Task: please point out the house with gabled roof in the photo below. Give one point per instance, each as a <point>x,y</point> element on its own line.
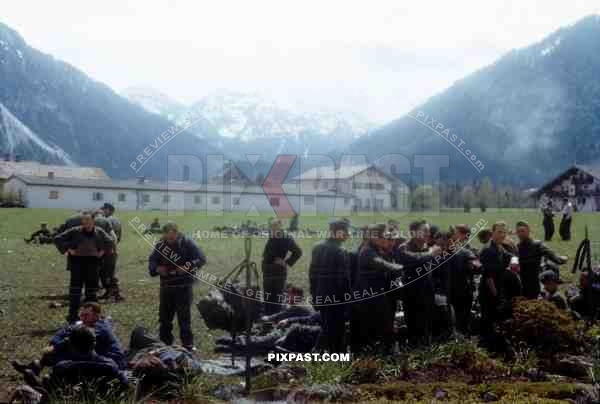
<point>579,183</point>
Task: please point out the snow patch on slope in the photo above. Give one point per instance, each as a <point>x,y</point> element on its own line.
<point>17,134</point>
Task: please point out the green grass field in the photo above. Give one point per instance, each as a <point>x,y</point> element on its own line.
<point>32,276</point>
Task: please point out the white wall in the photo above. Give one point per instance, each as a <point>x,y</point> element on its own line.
<point>37,196</point>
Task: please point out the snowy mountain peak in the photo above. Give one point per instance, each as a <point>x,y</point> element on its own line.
<point>248,116</point>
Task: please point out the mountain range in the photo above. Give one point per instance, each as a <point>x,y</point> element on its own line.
<point>52,112</point>
<point>527,116</point>
<point>246,123</point>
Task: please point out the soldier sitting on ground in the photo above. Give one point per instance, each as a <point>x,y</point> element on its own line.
<point>155,227</point>
<point>106,344</point>
<point>41,236</point>
<point>581,301</point>
<point>84,369</point>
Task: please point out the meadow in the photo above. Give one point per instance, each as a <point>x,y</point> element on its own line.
<point>32,277</point>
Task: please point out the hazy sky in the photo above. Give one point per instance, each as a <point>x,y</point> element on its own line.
<point>372,57</point>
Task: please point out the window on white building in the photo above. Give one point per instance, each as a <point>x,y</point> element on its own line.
<point>367,203</point>
<point>236,201</point>
<point>197,199</point>
<point>274,201</point>
<point>215,200</point>
<point>146,198</point>
<point>379,203</point>
<point>346,201</point>
<point>53,195</point>
<point>97,196</point>
<point>166,198</point>
<point>309,200</point>
<point>122,197</point>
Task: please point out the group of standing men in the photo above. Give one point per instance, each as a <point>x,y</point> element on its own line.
<point>432,273</point>
<point>564,228</point>
<point>89,241</point>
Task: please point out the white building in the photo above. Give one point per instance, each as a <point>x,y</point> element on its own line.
<point>33,168</point>
<point>367,187</point>
<point>580,184</point>
<point>74,193</point>
<point>316,192</point>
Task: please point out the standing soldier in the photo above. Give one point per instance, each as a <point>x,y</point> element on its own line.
<point>275,266</point>
<point>373,314</point>
<point>418,294</point>
<point>548,222</point>
<point>329,281</point>
<point>495,260</point>
<point>565,223</point>
<point>531,253</point>
<point>462,284</point>
<point>175,259</point>
<point>84,245</point>
<point>108,268</point>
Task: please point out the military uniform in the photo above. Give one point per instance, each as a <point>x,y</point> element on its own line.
<point>462,287</point>
<point>108,267</point>
<point>176,289</point>
<point>275,275</point>
<point>85,264</point>
<point>531,253</point>
<point>418,291</point>
<point>494,260</point>
<point>373,315</point>
<point>548,223</point>
<point>329,281</point>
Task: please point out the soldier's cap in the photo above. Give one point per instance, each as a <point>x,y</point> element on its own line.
<point>44,223</point>
<point>549,276</point>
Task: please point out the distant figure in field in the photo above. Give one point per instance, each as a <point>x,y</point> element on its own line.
<point>155,227</point>
<point>548,222</point>
<point>565,223</point>
<point>41,236</point>
<point>294,223</point>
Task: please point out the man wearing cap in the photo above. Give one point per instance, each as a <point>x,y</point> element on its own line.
<point>531,253</point>
<point>373,312</point>
<point>329,282</point>
<point>108,267</point>
<point>551,281</point>
<point>281,253</point>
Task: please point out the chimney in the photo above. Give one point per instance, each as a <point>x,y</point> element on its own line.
<point>51,175</point>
